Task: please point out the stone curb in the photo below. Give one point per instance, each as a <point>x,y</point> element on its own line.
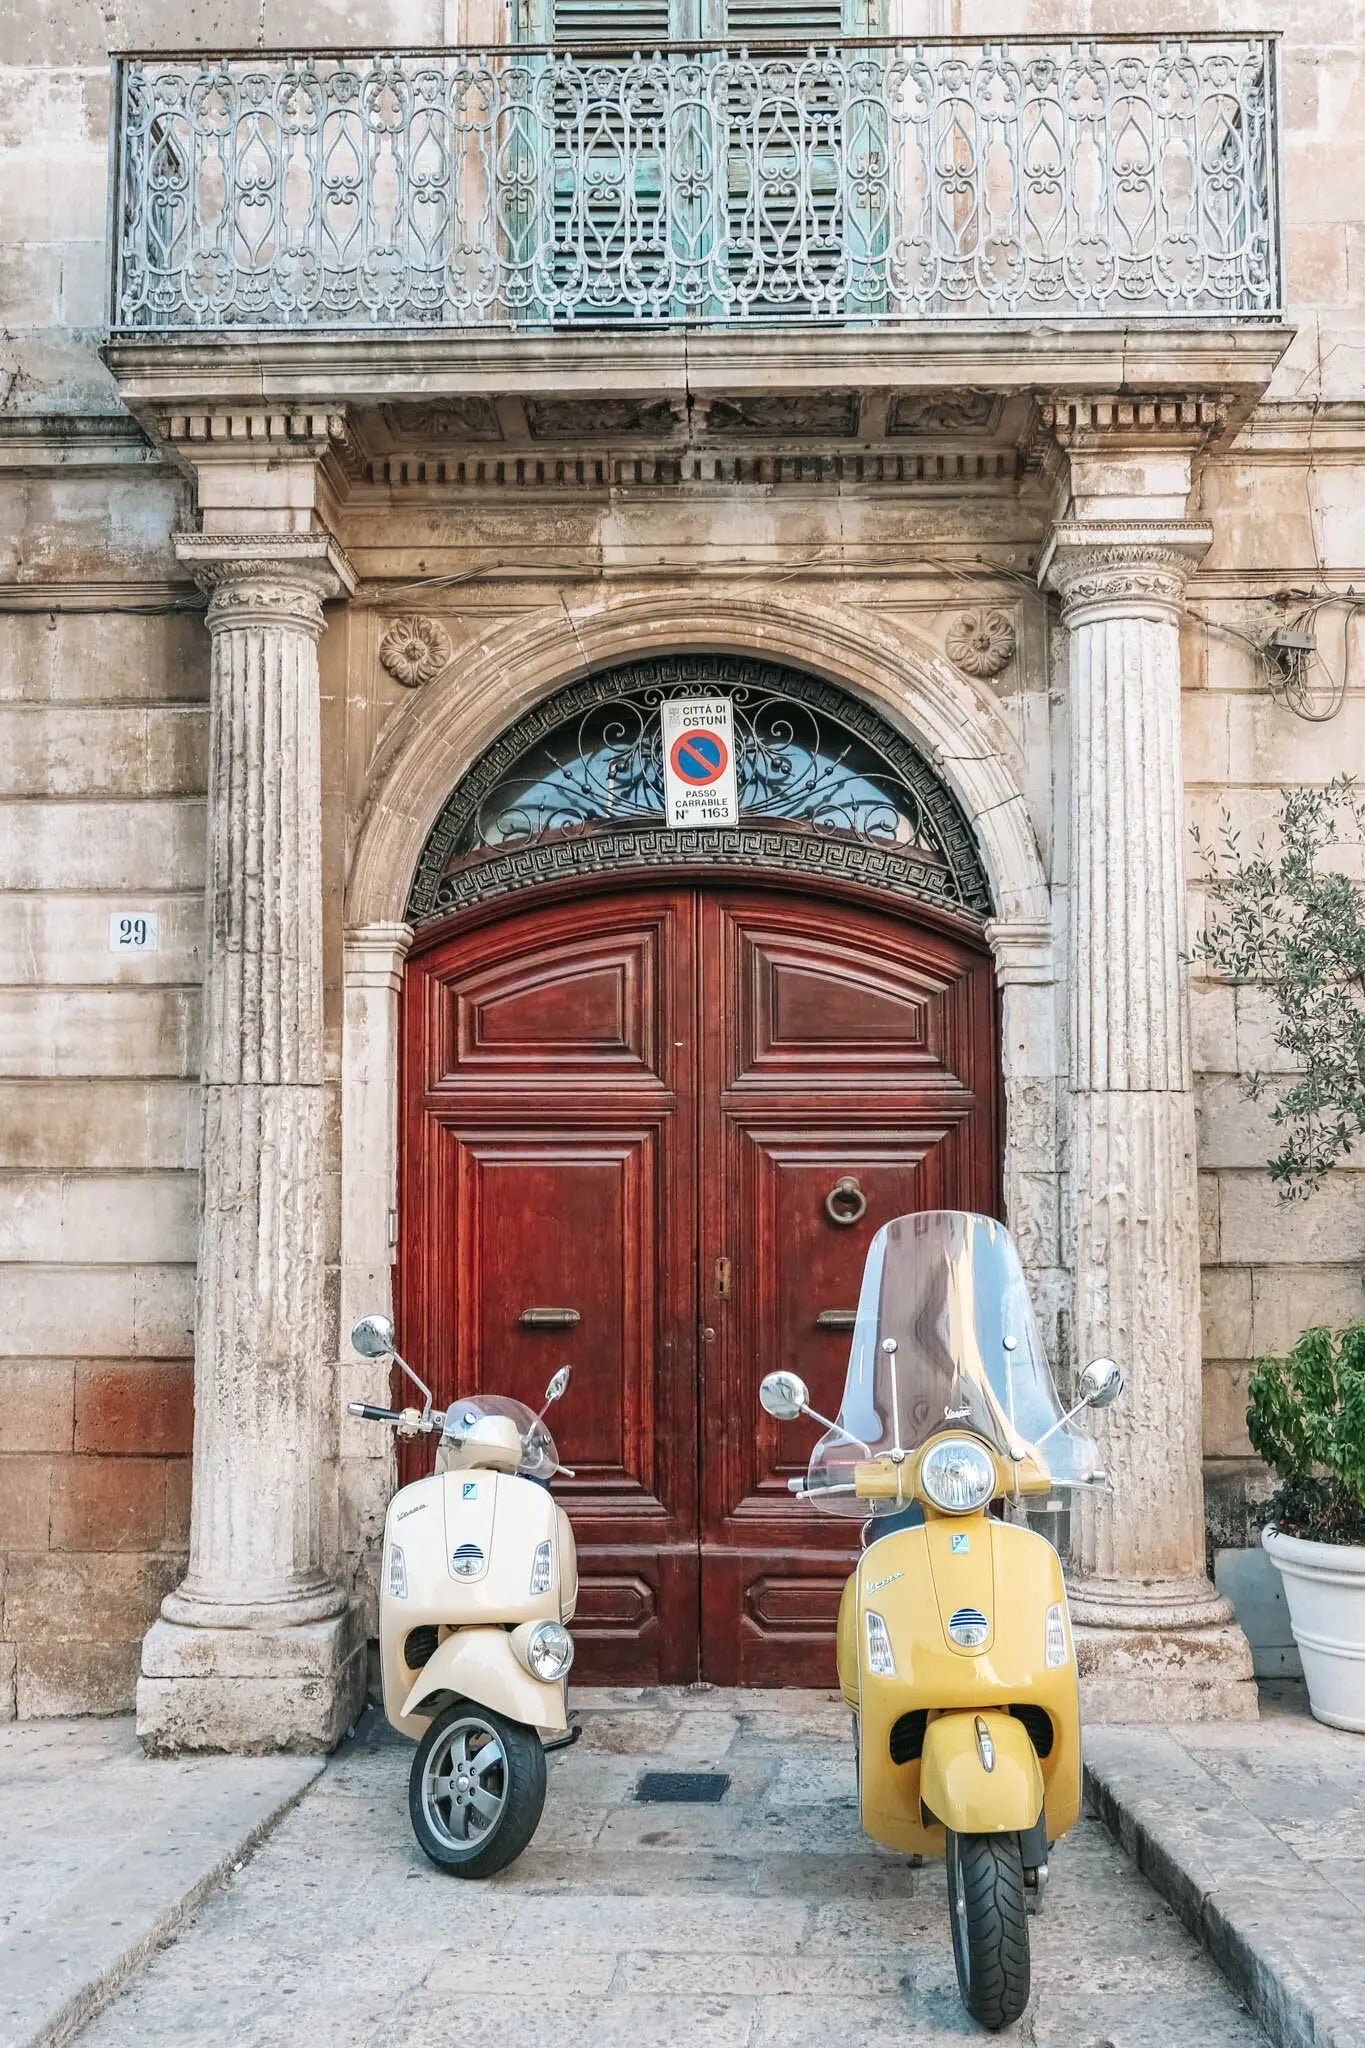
<point>81,2005</point>
<point>1268,1921</point>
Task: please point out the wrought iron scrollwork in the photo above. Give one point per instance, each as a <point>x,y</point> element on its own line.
<point>577,786</point>
<point>1104,178</point>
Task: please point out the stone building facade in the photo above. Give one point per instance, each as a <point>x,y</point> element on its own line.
<point>272,584</point>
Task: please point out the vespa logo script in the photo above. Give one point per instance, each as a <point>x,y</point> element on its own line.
<point>415,1509</point>
<point>890,1580</point>
<point>956,1414</point>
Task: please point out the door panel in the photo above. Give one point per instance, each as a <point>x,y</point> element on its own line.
<point>637,1107</point>
<point>845,1046</point>
<point>549,1141</point>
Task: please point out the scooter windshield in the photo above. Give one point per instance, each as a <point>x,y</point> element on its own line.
<point>944,1340</point>
<point>539,1458</point>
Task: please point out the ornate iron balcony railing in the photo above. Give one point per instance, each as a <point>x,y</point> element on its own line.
<point>1097,179</point>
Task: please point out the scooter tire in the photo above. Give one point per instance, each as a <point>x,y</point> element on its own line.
<point>986,1907</point>
<point>522,1794</point>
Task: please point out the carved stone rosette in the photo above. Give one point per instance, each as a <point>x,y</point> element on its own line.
<point>1132,1126</point>
<point>257,1585</point>
<point>981,643</point>
<point>415,650</point>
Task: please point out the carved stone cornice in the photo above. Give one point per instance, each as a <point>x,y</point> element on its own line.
<point>234,433</point>
<point>266,579</point>
<point>1069,425</point>
<point>1084,419</point>
<point>1121,567</point>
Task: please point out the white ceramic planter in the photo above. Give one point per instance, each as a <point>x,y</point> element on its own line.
<point>1324,1584</point>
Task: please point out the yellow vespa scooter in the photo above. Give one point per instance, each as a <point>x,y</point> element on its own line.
<point>954,1643</point>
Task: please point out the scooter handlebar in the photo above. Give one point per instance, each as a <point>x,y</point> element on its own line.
<point>368,1413</point>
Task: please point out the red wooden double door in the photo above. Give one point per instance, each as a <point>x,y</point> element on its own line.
<point>649,1132</point>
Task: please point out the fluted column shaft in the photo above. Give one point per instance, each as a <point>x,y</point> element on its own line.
<point>1132,1129</point>
<point>256,1549</point>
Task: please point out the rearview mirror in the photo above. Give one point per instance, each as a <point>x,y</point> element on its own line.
<point>783,1396</point>
<point>1100,1383</point>
<point>373,1337</point>
<point>559,1385</point>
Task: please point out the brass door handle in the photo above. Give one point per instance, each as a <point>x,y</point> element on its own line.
<point>836,1319</point>
<point>549,1318</point>
<point>846,1203</point>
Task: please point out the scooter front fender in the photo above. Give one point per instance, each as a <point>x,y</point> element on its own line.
<point>958,1789</point>
<point>478,1665</point>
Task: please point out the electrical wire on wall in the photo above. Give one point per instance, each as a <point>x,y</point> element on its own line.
<point>1293,662</point>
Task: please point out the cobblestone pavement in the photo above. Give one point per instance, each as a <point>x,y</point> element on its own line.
<point>765,1920</point>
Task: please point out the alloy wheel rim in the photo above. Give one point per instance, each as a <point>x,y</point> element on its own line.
<point>464,1784</point>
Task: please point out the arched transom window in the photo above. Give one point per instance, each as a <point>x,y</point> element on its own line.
<point>578,785</point>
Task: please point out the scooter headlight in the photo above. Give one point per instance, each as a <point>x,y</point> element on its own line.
<point>548,1651</point>
<point>958,1475</point>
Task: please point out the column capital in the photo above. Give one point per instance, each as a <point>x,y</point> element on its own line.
<point>373,954</point>
<point>281,579</point>
<point>1122,568</point>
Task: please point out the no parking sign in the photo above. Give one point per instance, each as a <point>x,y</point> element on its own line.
<point>699,761</point>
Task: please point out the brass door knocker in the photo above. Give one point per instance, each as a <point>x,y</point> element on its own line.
<point>846,1203</point>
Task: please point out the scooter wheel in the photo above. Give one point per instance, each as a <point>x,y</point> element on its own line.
<point>477,1789</point>
<point>990,1926</point>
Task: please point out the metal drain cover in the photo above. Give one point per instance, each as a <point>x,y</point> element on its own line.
<point>681,1788</point>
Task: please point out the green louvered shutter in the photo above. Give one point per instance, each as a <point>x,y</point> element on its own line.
<point>791,232</point>
<point>800,232</point>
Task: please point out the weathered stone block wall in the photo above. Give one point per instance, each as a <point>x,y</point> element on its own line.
<point>102,731</point>
<point>1282,516</point>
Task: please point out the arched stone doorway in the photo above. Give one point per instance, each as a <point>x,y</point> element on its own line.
<point>658,1091</point>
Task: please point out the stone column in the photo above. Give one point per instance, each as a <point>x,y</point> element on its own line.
<point>1154,1640</point>
<point>372,971</point>
<point>259,1649</point>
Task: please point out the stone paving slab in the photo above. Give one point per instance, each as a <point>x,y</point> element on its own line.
<point>103,1854</point>
<point>622,1928</point>
<point>1255,1834</point>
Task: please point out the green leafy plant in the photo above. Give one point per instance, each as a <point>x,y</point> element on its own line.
<point>1307,1419</point>
<point>1295,923</point>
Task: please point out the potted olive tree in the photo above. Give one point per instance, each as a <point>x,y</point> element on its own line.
<point>1292,920</point>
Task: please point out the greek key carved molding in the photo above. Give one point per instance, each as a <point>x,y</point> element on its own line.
<point>981,643</point>
<point>415,650</point>
<point>645,848</point>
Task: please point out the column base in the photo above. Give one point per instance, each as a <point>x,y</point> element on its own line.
<point>1160,1653</point>
<point>251,1691</point>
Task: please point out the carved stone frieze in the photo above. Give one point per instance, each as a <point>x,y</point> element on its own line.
<point>561,419</point>
<point>454,419</point>
<point>415,650</point>
<point>794,414</point>
<point>981,643</point>
<point>964,412</point>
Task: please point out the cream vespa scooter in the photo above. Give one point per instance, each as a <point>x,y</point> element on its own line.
<point>478,1577</point>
